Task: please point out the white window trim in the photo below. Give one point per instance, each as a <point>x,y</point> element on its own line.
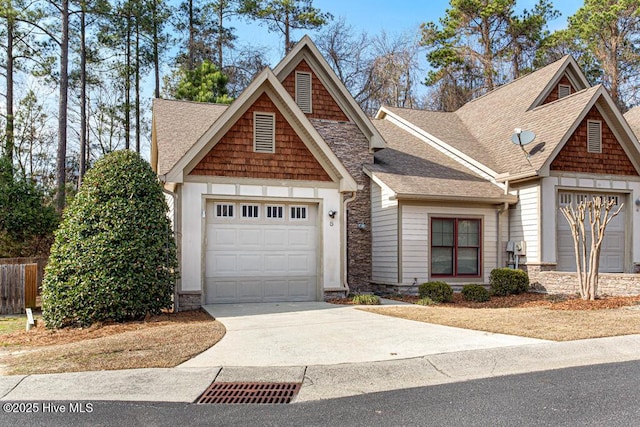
<point>273,133</point>
<point>215,210</point>
<point>274,218</point>
<point>566,87</point>
<point>243,205</point>
<point>310,110</point>
<point>591,144</point>
<point>306,213</point>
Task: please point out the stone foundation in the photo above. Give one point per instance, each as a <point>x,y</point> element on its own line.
<point>189,300</point>
<point>330,294</point>
<point>543,278</point>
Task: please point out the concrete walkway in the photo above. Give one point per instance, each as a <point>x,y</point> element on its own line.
<point>318,333</point>
<point>334,351</point>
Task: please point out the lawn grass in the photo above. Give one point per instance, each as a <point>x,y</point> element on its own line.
<point>9,324</point>
<point>159,342</point>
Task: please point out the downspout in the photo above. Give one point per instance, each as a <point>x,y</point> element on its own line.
<point>345,281</point>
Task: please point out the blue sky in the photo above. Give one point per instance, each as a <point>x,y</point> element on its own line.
<point>374,16</point>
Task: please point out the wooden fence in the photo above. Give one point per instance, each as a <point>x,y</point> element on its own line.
<point>18,287</point>
<point>20,282</point>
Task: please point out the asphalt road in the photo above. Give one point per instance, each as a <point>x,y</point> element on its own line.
<point>600,395</point>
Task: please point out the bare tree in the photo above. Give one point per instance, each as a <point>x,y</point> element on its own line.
<point>598,213</point>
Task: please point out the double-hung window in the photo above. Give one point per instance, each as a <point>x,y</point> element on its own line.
<point>455,247</point>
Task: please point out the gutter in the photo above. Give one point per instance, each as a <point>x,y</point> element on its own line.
<point>506,198</point>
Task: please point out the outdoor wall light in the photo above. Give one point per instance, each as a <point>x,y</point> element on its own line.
<point>332,214</point>
<point>638,203</point>
<point>362,226</point>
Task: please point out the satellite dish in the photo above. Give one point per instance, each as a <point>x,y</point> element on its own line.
<point>522,137</point>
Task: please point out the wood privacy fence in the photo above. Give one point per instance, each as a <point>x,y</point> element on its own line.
<point>20,279</point>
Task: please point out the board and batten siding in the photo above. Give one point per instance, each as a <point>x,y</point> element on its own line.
<point>415,240</point>
<point>384,245</point>
<point>524,221</point>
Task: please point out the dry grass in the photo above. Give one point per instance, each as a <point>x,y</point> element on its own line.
<point>537,321</point>
<point>159,342</point>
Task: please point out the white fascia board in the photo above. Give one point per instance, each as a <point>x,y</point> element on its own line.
<point>441,146</point>
<point>376,179</point>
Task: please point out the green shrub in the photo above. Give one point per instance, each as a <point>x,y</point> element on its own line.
<point>507,281</point>
<point>366,299</point>
<point>114,255</point>
<point>475,293</point>
<point>426,301</point>
<point>437,291</point>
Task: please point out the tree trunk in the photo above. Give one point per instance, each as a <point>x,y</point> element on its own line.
<point>192,30</point>
<point>220,33</point>
<point>156,53</point>
<point>83,94</point>
<point>62,107</point>
<point>9,145</point>
<point>127,82</point>
<point>137,82</point>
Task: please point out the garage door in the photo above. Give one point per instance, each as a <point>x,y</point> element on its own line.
<point>613,250</point>
<point>260,252</point>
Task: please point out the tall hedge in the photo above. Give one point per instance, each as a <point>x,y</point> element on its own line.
<point>114,255</point>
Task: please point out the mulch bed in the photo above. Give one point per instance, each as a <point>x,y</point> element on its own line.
<point>529,299</point>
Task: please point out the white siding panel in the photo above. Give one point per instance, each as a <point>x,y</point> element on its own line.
<point>191,262</point>
<point>525,218</point>
<point>384,219</point>
<point>415,235</point>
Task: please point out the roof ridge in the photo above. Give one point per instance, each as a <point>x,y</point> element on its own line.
<point>504,85</point>
<point>187,101</point>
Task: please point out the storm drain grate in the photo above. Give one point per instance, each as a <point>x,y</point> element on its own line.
<point>260,393</point>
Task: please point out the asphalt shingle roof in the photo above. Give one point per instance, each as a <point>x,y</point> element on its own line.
<point>178,125</point>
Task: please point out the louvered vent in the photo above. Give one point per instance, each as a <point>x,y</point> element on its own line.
<point>264,133</point>
<point>594,136</point>
<point>564,90</point>
<point>303,91</point>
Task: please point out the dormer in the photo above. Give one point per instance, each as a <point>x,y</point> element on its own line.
<point>568,79</point>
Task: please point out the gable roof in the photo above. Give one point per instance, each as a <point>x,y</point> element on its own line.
<point>306,50</point>
<point>176,125</point>
<point>267,82</point>
<point>413,169</point>
<point>633,119</point>
<point>479,133</point>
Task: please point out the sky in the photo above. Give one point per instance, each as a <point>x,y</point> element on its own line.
<point>374,16</point>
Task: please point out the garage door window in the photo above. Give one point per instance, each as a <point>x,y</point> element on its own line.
<point>455,247</point>
<point>250,211</point>
<point>298,213</point>
<point>275,212</point>
<point>224,210</point>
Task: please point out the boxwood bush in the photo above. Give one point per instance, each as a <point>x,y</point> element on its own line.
<point>475,293</point>
<point>437,291</point>
<point>114,255</point>
<point>507,281</point>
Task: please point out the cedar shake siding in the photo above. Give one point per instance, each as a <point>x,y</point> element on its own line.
<point>323,106</point>
<point>574,156</point>
<point>553,96</point>
<point>352,148</point>
<point>233,155</point>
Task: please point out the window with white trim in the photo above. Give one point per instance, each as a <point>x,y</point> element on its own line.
<point>250,211</point>
<point>594,136</point>
<point>303,91</point>
<point>224,210</point>
<point>264,132</point>
<point>275,211</point>
<point>564,90</point>
<point>298,213</point>
<point>456,245</point>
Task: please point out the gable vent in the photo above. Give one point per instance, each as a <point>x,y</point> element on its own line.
<point>264,132</point>
<point>303,91</point>
<point>594,136</point>
<point>564,90</point>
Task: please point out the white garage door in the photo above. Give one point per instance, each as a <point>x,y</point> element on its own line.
<point>260,252</point>
<point>613,245</point>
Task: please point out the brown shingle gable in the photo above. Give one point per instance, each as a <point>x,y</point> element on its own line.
<point>323,104</point>
<point>233,155</point>
<point>574,156</point>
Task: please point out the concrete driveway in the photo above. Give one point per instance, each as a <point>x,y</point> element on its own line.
<point>318,333</point>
